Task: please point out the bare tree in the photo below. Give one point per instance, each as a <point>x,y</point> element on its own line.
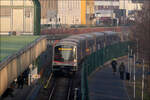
<point>141,32</point>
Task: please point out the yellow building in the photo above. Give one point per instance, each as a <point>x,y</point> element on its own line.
<point>75,12</point>
<point>87,12</point>
<point>83,11</point>
<point>19,16</point>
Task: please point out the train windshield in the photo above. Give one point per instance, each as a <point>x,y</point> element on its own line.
<point>64,53</point>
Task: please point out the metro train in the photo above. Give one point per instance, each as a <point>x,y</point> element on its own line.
<point>69,52</point>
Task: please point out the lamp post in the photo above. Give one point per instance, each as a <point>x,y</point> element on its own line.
<point>143,80</point>
<point>11,19</point>
<point>134,75</point>
<point>124,13</point>
<point>137,41</point>
<point>112,12</point>
<point>128,58</point>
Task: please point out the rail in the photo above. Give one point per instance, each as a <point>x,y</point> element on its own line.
<point>61,89</point>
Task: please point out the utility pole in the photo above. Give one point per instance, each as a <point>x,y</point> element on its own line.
<point>112,12</point>
<point>143,81</point>
<point>137,48</point>
<point>128,58</point>
<point>11,19</point>
<point>56,20</point>
<point>24,16</point>
<point>124,13</point>
<point>130,64</point>
<point>134,75</point>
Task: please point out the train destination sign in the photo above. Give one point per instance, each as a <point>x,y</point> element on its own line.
<point>64,48</point>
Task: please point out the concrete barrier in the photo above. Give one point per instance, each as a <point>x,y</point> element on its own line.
<point>14,65</point>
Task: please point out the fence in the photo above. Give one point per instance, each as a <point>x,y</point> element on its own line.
<point>97,59</point>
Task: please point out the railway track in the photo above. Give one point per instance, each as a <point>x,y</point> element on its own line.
<point>62,89</point>
<point>57,88</point>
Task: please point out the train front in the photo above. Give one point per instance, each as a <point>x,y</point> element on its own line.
<point>64,58</point>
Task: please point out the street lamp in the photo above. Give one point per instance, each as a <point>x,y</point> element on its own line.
<point>137,45</point>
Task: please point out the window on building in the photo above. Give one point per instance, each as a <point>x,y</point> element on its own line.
<point>5,12</point>
<point>27,12</point>
<point>50,19</point>
<point>59,19</point>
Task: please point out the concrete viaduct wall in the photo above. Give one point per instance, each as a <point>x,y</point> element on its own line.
<point>12,67</point>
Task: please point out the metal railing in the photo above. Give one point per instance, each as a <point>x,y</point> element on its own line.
<point>97,59</point>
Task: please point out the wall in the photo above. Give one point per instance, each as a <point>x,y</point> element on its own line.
<point>69,12</point>
<point>129,5</point>
<point>90,12</point>
<point>83,12</point>
<point>16,64</point>
<point>48,11</point>
<point>16,16</point>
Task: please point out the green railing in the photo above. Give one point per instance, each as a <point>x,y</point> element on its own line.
<point>97,59</point>
<point>37,17</point>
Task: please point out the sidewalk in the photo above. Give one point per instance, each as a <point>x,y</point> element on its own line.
<point>103,85</point>
<point>19,94</point>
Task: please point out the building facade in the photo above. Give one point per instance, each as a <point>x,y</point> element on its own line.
<point>83,12</point>
<point>64,12</point>
<point>130,5</point>
<point>104,9</point>
<point>115,9</point>
<point>69,12</point>
<point>90,12</point>
<point>48,11</point>
<point>75,12</point>
<point>16,15</point>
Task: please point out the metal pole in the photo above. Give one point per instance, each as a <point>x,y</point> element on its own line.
<point>137,50</point>
<point>130,66</point>
<point>56,20</point>
<point>23,16</point>
<point>11,25</point>
<point>143,82</point>
<point>124,14</point>
<point>128,58</point>
<point>134,76</point>
<point>112,13</point>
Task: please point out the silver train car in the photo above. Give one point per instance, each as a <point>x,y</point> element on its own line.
<point>69,52</point>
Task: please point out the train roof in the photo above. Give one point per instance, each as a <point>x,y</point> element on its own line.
<point>98,33</point>
<point>66,42</point>
<point>71,40</point>
<point>87,36</point>
<point>110,32</point>
<point>78,37</point>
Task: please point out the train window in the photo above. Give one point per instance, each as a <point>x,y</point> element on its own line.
<point>64,53</point>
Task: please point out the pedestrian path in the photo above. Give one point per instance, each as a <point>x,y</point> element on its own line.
<point>103,85</point>
<point>19,94</point>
